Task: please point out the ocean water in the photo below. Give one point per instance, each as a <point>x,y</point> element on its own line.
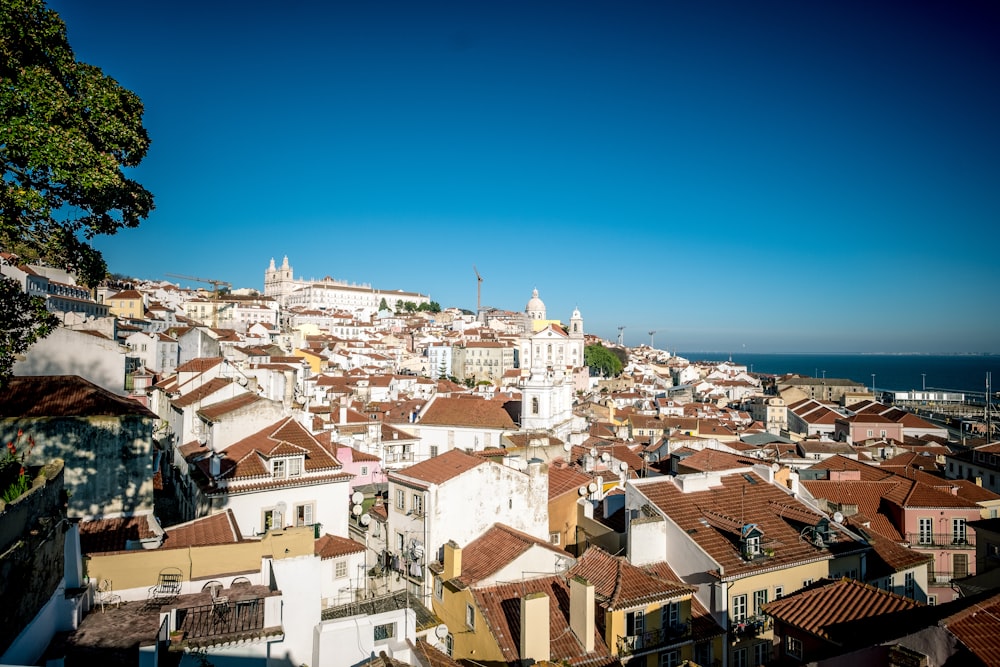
<point>897,372</point>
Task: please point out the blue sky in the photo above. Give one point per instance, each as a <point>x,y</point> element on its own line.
<point>766,176</point>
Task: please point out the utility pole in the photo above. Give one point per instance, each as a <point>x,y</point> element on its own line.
<point>215,292</point>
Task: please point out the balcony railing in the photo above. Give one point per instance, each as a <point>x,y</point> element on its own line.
<point>647,642</point>
<point>942,540</point>
<point>944,576</point>
<point>750,626</point>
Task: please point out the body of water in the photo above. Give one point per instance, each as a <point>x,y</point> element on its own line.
<point>899,372</point>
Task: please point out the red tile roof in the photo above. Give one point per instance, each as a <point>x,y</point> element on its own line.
<point>618,584</point>
<point>204,391</point>
<point>218,528</point>
<point>64,396</point>
<point>978,627</point>
<point>334,546</point>
<point>500,606</point>
<point>108,535</point>
<point>439,469</point>
<point>247,458</point>
<point>831,603</point>
<point>494,550</point>
<point>218,410</point>
<point>465,411</point>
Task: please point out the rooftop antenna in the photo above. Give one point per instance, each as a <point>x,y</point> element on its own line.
<point>621,336</point>
<point>651,334</point>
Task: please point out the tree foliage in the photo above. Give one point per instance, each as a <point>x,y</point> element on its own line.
<point>67,131</point>
<point>602,361</point>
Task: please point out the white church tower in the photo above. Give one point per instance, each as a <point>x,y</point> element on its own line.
<point>548,358</point>
<point>279,283</point>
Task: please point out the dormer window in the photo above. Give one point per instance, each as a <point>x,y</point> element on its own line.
<point>750,535</point>
<point>286,467</point>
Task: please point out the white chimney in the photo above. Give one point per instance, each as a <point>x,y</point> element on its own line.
<point>581,611</point>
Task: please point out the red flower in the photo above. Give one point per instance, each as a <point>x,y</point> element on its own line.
<point>20,433</point>
<point>22,471</point>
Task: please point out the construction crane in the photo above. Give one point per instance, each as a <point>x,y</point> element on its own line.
<point>479,291</point>
<point>216,284</point>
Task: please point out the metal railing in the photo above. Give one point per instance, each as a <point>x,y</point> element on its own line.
<point>652,640</point>
<point>942,540</point>
<point>221,619</point>
<point>750,626</point>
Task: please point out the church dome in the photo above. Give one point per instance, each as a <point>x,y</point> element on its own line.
<point>535,307</point>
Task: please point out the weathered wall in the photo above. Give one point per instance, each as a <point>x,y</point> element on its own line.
<point>108,460</point>
<point>32,537</point>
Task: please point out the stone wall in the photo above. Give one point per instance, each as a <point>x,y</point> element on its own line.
<point>32,538</point>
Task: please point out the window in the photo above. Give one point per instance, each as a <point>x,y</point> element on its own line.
<point>449,645</point>
<point>753,545</point>
<point>958,531</point>
<point>434,451</point>
<point>385,631</point>
<point>438,588</point>
<point>278,467</point>
<point>759,600</point>
<point>304,514</point>
<point>470,616</point>
<point>882,433</point>
<point>364,471</point>
<point>739,607</point>
<point>931,600</point>
<point>703,653</point>
<point>806,582</point>
<point>534,405</point>
<point>670,615</point>
<point>272,519</point>
<point>340,569</point>
<point>779,592</point>
<point>960,565</point>
<point>634,623</point>
<point>418,504</point>
<point>793,647</point>
<point>761,653</point>
<point>670,659</point>
<point>909,585</point>
<point>400,499</point>
<point>741,657</point>
<point>555,538</point>
<point>925,534</point>
<point>871,432</point>
<point>295,467</point>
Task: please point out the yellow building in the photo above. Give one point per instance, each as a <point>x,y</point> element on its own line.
<point>127,304</point>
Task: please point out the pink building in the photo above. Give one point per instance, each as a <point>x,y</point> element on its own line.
<point>860,428</point>
<point>366,468</point>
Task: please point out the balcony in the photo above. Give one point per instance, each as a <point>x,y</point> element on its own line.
<point>653,640</point>
<point>750,626</point>
<point>941,540</point>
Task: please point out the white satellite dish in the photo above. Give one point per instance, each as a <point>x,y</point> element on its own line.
<point>356,510</point>
<point>838,517</point>
<point>593,451</point>
<point>583,490</point>
<point>592,487</point>
<point>623,466</point>
<point>605,457</point>
<point>441,631</point>
<point>567,446</point>
<point>357,497</point>
<point>281,506</point>
<point>440,647</point>
<point>365,519</point>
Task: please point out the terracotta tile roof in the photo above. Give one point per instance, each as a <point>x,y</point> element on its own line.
<point>494,550</point>
<point>713,459</point>
<point>246,458</point>
<point>978,627</point>
<point>334,546</point>
<point>428,656</point>
<point>713,518</point>
<point>831,603</point>
<point>868,472</point>
<point>218,528</point>
<point>202,392</point>
<point>199,365</point>
<point>866,495</point>
<point>500,606</point>
<point>64,396</point>
<point>618,584</point>
<point>439,469</point>
<point>887,557</point>
<point>108,535</point>
<point>447,411</point>
<point>357,454</point>
<point>215,411</point>
<point>566,479</point>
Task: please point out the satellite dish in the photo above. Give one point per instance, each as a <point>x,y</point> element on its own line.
<point>838,517</point>
<point>357,510</point>
<point>281,506</point>
<point>441,631</point>
<point>583,490</point>
<point>605,457</point>
<point>592,487</point>
<point>365,519</point>
<point>567,446</point>
<point>440,647</point>
<point>623,466</point>
<point>357,497</point>
<point>242,380</point>
<point>593,451</point>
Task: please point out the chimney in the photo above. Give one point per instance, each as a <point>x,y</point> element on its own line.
<point>535,627</point>
<point>343,413</point>
<point>452,561</point>
<point>581,611</point>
